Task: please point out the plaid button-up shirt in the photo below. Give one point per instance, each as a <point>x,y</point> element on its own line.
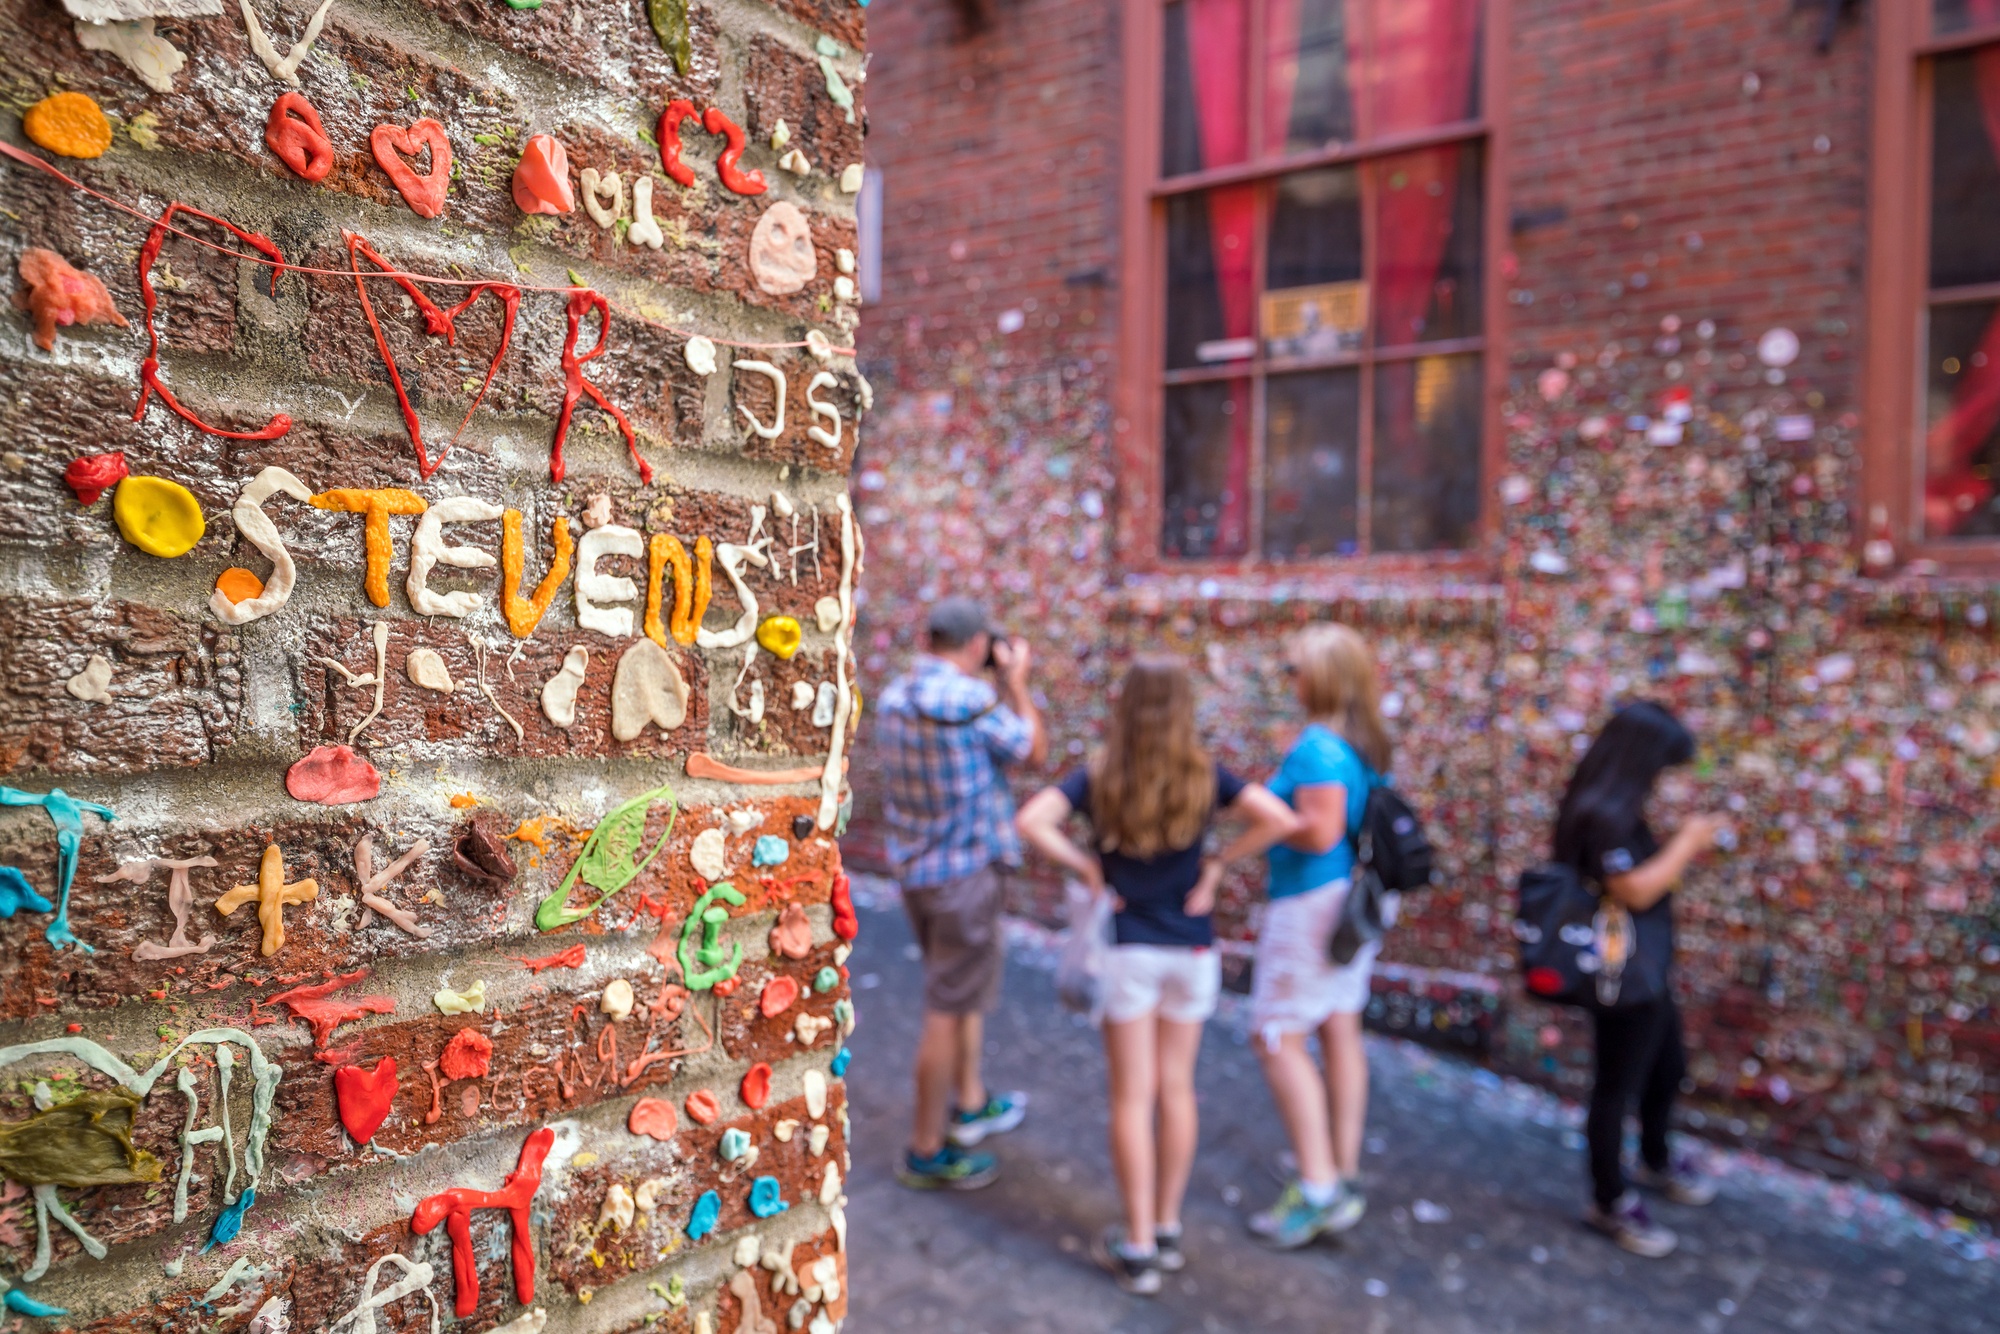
<point>944,738</point>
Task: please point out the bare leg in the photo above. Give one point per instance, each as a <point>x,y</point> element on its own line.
<point>937,1060</point>
<point>971,1041</point>
<point>1179,1044</point>
<point>1135,1081</point>
<point>1301,1097</point>
<point>1346,1089</point>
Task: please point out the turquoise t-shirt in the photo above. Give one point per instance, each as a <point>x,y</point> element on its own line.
<point>1319,756</point>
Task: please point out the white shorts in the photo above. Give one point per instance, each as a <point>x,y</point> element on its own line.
<point>1294,986</point>
<point>1177,982</point>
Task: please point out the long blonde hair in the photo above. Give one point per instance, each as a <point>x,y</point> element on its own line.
<point>1152,784</point>
<point>1340,689</point>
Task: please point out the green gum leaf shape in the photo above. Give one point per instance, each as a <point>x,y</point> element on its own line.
<point>670,25</point>
<point>607,862</point>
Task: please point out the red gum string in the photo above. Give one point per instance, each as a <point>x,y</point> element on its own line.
<point>573,957</point>
<point>437,323</point>
<point>29,159</point>
<point>454,1209</point>
<point>581,302</point>
<point>677,111</point>
<point>149,369</point>
<point>742,182</point>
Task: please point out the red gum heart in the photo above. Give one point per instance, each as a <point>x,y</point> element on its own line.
<point>777,997</point>
<point>437,323</point>
<point>541,178</point>
<point>295,134</point>
<point>653,1117</point>
<point>677,111</point>
<point>742,182</point>
<point>392,143</point>
<point>149,369</point>
<point>365,1097</point>
<point>757,1086</point>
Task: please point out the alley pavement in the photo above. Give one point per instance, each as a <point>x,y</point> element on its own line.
<point>1473,1182</point>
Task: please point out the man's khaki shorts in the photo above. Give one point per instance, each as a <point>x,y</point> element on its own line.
<point>957,925</point>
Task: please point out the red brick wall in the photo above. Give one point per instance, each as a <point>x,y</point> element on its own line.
<point>205,719</point>
<point>1667,208</point>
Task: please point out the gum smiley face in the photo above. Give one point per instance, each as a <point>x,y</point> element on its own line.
<point>393,143</point>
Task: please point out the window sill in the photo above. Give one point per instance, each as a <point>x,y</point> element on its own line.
<point>1238,599</point>
<point>1936,596</point>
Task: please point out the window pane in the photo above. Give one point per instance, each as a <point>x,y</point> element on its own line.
<point>1306,98</point>
<point>1426,478</point>
<point>1965,169</point>
<point>1420,64</point>
<point>1210,279</point>
<point>1954,16</point>
<point>1207,456</point>
<point>1962,398</point>
<point>1311,476</point>
<point>1429,260</point>
<point>1203,103</point>
<point>1315,304</point>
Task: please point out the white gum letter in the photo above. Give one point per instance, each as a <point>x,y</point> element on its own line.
<point>594,589</point>
<point>428,550</point>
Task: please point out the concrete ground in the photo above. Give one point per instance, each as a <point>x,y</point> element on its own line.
<point>1473,1182</point>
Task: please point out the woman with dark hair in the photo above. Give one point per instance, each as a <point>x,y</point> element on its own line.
<point>1601,830</point>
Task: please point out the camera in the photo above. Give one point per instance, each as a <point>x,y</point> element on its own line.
<point>992,657</point>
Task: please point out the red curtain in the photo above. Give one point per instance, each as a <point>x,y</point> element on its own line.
<point>1218,40</point>
<point>1951,491</point>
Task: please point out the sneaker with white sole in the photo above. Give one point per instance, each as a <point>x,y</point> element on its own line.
<point>1138,1275</point>
<point>1002,1112</point>
<point>1292,1220</point>
<point>1173,1258</point>
<point>1628,1224</point>
<point>1679,1183</point>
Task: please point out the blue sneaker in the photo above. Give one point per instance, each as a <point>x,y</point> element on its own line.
<point>1002,1112</point>
<point>1293,1221</point>
<point>950,1168</point>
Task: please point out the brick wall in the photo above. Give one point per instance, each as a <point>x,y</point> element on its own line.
<point>177,1017</point>
<point>1682,178</point>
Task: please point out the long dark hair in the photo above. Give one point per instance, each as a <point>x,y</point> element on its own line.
<point>1617,773</point>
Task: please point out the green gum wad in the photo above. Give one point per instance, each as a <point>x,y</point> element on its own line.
<point>85,1142</point>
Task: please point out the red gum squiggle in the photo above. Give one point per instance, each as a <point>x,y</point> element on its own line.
<point>677,111</point>
<point>742,182</point>
<point>582,301</point>
<point>149,369</point>
<point>437,323</point>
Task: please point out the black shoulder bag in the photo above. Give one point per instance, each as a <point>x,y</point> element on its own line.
<point>1392,855</point>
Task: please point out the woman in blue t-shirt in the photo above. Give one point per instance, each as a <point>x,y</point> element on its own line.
<point>1296,989</point>
<point>1150,794</point>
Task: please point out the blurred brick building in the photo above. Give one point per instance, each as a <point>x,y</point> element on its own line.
<point>1575,353</point>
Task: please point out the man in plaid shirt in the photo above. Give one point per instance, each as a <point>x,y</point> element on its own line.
<point>945,737</point>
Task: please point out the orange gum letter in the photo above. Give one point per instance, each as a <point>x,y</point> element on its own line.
<point>666,549</point>
<point>704,555</point>
<point>524,614</point>
<point>376,506</point>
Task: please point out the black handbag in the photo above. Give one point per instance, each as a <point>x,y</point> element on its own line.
<point>1392,855</point>
<point>1579,947</point>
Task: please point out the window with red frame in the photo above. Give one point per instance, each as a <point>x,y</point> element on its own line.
<point>1321,201</point>
<point>1960,328</point>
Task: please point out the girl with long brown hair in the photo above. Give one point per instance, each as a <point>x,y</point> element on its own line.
<point>1150,793</point>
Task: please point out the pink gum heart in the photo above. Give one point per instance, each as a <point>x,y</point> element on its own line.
<point>541,181</point>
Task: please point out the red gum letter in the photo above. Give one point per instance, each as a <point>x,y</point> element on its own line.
<point>742,182</point>
<point>677,111</point>
<point>454,1209</point>
<point>438,324</point>
<point>581,302</point>
<point>295,134</point>
<point>149,369</point>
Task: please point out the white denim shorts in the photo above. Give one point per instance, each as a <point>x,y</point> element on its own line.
<point>1294,986</point>
<point>1177,982</point>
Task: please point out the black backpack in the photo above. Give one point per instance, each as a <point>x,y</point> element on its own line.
<point>1392,855</point>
